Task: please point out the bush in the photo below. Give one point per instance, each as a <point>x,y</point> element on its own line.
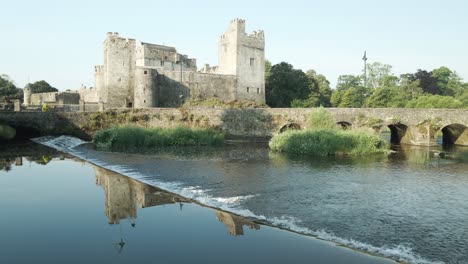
<point>45,107</point>
<point>326,142</point>
<point>321,119</point>
<point>136,138</point>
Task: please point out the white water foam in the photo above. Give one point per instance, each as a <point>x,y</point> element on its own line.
<point>233,204</point>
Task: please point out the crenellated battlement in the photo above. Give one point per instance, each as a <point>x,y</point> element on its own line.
<point>98,68</point>
<point>114,37</point>
<point>238,21</point>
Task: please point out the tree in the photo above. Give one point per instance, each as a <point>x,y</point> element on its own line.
<point>42,87</point>
<point>426,81</point>
<point>8,89</point>
<point>393,96</point>
<point>412,89</point>
<point>349,92</point>
<point>380,75</point>
<point>434,101</point>
<point>285,84</point>
<point>320,91</point>
<point>448,81</point>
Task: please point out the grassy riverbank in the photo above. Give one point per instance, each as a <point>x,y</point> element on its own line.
<point>324,137</point>
<point>136,138</point>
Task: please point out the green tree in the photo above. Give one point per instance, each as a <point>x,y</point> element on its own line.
<point>8,90</point>
<point>285,84</point>
<point>42,87</point>
<point>390,97</point>
<point>349,92</point>
<point>434,101</point>
<point>448,81</point>
<point>412,89</point>
<point>426,81</point>
<point>320,91</point>
<point>380,75</point>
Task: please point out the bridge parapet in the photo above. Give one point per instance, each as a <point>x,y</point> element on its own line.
<point>410,126</point>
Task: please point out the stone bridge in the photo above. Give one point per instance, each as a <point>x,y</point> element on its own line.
<point>408,126</point>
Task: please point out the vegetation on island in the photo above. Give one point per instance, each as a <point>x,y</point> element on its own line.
<point>130,138</point>
<point>439,88</point>
<point>324,137</point>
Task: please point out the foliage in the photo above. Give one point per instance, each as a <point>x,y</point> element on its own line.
<point>327,142</point>
<point>349,92</point>
<point>448,81</point>
<point>7,132</point>
<point>45,107</point>
<point>8,89</point>
<point>380,75</point>
<point>284,84</point>
<point>321,119</point>
<point>319,92</point>
<point>131,139</point>
<point>387,97</point>
<point>435,101</point>
<point>42,87</point>
<point>426,81</point>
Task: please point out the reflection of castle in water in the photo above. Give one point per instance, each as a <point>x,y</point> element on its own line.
<point>235,223</point>
<point>123,195</point>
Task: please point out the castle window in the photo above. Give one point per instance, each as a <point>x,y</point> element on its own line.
<point>248,89</point>
<point>258,90</point>
<point>144,101</point>
<point>146,72</point>
<point>162,63</point>
<point>252,61</point>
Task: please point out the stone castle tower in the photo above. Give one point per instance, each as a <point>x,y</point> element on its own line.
<point>243,55</point>
<point>140,75</point>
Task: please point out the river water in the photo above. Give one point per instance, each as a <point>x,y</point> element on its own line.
<point>410,205</point>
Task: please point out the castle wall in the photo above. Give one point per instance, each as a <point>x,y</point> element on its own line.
<point>59,98</point>
<point>174,92</point>
<point>90,95</point>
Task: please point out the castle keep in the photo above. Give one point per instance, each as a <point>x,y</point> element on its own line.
<point>141,75</point>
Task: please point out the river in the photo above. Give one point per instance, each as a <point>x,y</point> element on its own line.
<point>410,205</point>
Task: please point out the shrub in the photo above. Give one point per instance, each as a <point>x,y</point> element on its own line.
<point>321,119</point>
<point>45,107</point>
<point>325,142</point>
<point>136,138</point>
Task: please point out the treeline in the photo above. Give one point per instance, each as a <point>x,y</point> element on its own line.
<point>439,88</point>
<point>9,91</point>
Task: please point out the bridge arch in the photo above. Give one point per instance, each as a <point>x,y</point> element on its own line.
<point>290,126</point>
<point>455,134</point>
<point>397,132</point>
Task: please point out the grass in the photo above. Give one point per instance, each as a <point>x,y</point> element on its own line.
<point>324,138</point>
<point>327,142</point>
<point>132,139</point>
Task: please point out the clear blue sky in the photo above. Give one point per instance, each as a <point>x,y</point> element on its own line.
<point>61,41</point>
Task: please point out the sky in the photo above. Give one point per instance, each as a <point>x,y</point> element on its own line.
<point>61,41</point>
